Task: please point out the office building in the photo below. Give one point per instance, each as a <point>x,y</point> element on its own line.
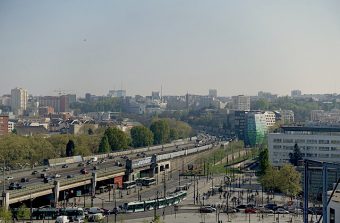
<point>117,93</point>
<point>241,103</point>
<point>19,98</point>
<point>155,95</point>
<point>295,93</point>
<point>58,103</point>
<point>3,124</point>
<point>270,118</point>
<point>315,142</point>
<point>213,93</point>
<point>256,128</point>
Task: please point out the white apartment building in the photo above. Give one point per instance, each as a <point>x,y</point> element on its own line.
<point>19,99</point>
<point>317,143</point>
<point>241,103</point>
<point>270,118</point>
<point>10,126</point>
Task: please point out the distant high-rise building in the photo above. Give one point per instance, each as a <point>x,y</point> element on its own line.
<point>155,95</point>
<point>213,93</point>
<point>117,93</point>
<point>58,103</point>
<point>3,124</point>
<point>241,102</point>
<point>19,98</point>
<point>295,93</point>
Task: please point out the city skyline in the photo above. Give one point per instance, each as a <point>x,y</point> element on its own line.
<point>234,47</point>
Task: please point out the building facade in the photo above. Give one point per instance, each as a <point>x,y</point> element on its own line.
<point>256,128</point>
<point>317,143</point>
<point>3,124</point>
<point>19,98</point>
<point>270,118</point>
<point>241,102</point>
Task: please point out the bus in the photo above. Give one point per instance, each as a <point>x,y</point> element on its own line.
<point>129,185</point>
<point>75,214</point>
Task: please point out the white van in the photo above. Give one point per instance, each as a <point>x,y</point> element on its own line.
<point>95,210</point>
<point>62,219</point>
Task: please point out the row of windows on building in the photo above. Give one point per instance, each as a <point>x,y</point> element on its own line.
<point>308,141</point>
<point>321,148</point>
<point>320,155</point>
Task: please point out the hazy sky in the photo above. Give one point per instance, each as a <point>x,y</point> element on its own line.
<point>237,47</point>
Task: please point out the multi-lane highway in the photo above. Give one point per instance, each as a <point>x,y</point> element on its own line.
<point>74,170</point>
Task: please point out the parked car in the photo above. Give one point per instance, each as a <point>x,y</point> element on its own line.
<point>231,210</point>
<point>43,175</point>
<point>9,178</point>
<point>281,211</point>
<point>242,206</point>
<point>46,169</point>
<point>95,210</point>
<point>69,176</point>
<point>64,166</point>
<point>96,217</point>
<point>266,211</point>
<point>250,211</point>
<point>207,209</point>
<point>62,219</point>
<point>271,206</point>
<point>35,172</point>
<point>81,165</point>
<point>24,180</point>
<point>95,167</point>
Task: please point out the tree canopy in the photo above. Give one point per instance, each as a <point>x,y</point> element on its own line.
<point>264,161</point>
<point>70,148</point>
<point>117,138</point>
<point>161,131</point>
<point>104,145</point>
<point>141,136</point>
<point>295,156</point>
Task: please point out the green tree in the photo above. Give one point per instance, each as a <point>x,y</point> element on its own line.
<point>23,213</point>
<point>270,180</point>
<point>264,161</point>
<point>141,136</point>
<point>104,146</point>
<point>5,215</point>
<point>161,131</point>
<point>289,180</point>
<point>70,148</point>
<point>295,156</point>
<point>117,139</point>
<point>90,131</point>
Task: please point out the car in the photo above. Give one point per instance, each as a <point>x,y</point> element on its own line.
<point>43,175</point>
<point>242,206</point>
<point>266,211</point>
<point>281,211</point>
<point>57,175</point>
<point>15,186</point>
<point>297,211</point>
<point>64,166</point>
<point>250,211</point>
<point>62,219</point>
<point>84,171</point>
<point>35,172</point>
<point>46,169</point>
<point>47,179</point>
<point>9,178</point>
<point>98,217</point>
<point>231,210</point>
<point>24,180</point>
<point>81,165</point>
<point>95,167</point>
<point>271,206</point>
<point>207,209</point>
<point>69,176</point>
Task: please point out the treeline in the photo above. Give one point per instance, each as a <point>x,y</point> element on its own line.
<point>22,151</point>
<point>161,131</point>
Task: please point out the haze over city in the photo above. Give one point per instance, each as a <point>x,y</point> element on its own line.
<point>237,47</point>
